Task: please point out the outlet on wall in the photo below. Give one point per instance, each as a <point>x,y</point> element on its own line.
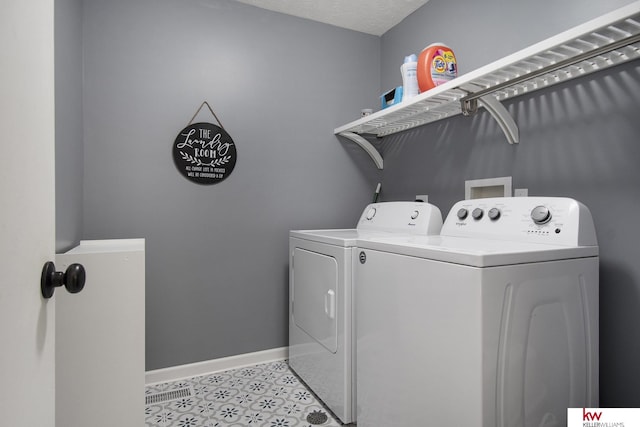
<point>422,198</point>
<point>521,192</point>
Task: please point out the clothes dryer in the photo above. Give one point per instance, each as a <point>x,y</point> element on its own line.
<point>492,323</point>
<point>320,297</point>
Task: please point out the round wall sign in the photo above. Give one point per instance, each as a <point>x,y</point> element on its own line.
<point>204,153</point>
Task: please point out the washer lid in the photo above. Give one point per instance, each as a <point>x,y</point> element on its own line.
<point>476,252</point>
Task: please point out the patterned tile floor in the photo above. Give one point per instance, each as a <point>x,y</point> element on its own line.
<point>265,395</point>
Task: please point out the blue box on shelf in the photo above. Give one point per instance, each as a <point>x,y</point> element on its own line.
<point>392,97</point>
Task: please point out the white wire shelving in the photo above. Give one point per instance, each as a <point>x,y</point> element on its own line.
<point>604,42</point>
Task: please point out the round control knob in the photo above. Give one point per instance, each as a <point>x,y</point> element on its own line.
<point>477,213</point>
<point>462,213</point>
<point>371,213</point>
<point>541,215</point>
<point>415,214</point>
<point>494,213</point>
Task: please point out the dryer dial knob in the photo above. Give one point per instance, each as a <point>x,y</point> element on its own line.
<point>371,213</point>
<point>494,213</point>
<point>462,213</point>
<point>477,213</point>
<point>415,214</point>
<point>541,215</point>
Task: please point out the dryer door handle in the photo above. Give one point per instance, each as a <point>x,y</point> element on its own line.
<point>330,304</point>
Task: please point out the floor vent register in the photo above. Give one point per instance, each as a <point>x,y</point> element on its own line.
<point>167,396</point>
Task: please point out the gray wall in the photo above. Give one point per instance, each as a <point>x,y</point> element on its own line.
<point>217,255</point>
<point>69,147</point>
<point>579,139</point>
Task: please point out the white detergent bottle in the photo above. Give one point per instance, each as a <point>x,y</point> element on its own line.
<point>409,72</point>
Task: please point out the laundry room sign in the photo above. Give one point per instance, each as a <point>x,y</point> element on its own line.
<point>204,152</point>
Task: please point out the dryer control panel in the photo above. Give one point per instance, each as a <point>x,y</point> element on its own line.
<point>552,220</point>
<point>401,217</point>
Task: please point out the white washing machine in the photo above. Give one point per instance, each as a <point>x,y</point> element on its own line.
<point>320,297</point>
<point>492,323</point>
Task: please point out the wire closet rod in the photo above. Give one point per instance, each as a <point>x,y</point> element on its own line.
<point>554,67</point>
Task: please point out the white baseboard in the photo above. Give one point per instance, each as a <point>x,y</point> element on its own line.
<point>175,373</point>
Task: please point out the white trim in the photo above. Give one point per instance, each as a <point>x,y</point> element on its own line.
<point>175,373</point>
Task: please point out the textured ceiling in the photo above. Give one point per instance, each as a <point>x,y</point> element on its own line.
<point>367,16</point>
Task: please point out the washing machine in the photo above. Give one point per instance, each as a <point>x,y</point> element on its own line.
<point>492,323</point>
<point>320,297</point>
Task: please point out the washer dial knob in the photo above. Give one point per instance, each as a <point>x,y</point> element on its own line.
<point>541,215</point>
<point>494,213</point>
<point>462,213</point>
<point>477,213</point>
<point>371,213</point>
<point>415,214</point>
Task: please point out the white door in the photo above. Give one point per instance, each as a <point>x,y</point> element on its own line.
<point>27,240</point>
<point>27,223</point>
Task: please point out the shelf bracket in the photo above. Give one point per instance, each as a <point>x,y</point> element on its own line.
<point>366,146</point>
<point>502,116</point>
<point>497,111</point>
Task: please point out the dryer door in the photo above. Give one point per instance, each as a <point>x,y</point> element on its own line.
<point>315,281</point>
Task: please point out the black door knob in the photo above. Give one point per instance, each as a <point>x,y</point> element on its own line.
<point>73,279</point>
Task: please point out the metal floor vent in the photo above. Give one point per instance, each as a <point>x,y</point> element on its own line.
<point>317,418</point>
<point>166,396</point>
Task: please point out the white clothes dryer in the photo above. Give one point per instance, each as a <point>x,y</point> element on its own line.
<point>320,297</point>
<point>492,323</point>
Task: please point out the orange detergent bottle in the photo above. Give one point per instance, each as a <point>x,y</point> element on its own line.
<point>436,65</point>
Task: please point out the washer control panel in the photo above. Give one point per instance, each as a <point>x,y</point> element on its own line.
<point>402,217</point>
<point>554,220</point>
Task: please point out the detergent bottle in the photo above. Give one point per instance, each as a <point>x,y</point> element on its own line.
<point>436,65</point>
<point>409,77</point>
